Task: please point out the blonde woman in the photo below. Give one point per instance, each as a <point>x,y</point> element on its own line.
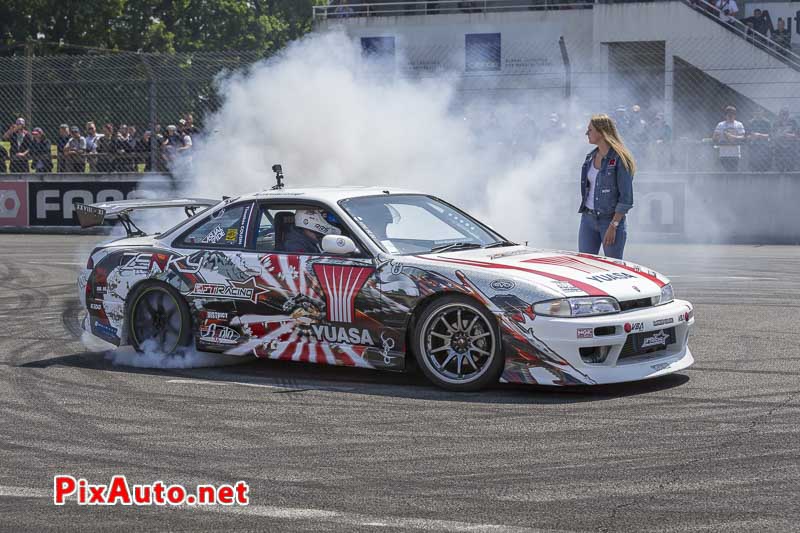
<point>606,190</point>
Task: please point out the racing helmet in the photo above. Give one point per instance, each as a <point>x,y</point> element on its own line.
<point>316,221</point>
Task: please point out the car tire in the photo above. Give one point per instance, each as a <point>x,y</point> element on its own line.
<point>457,344</point>
<point>158,319</point>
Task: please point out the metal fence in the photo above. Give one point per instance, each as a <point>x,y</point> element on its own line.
<point>344,9</point>
<point>530,93</point>
<point>145,92</point>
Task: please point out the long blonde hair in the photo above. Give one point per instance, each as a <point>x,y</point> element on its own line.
<point>608,130</point>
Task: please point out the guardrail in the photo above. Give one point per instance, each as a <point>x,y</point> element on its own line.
<point>440,7</point>
<point>669,206</point>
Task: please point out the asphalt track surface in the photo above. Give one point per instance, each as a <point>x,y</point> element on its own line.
<point>714,448</point>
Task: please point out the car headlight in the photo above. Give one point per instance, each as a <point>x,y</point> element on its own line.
<point>574,307</point>
<point>667,294</point>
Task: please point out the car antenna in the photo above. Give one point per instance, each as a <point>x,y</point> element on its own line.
<point>278,170</point>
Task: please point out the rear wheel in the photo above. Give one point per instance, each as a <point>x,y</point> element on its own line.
<point>158,319</point>
<point>458,344</point>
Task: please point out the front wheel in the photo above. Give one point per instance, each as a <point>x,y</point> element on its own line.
<point>158,319</point>
<point>458,344</point>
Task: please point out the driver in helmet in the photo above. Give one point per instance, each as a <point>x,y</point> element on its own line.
<point>310,225</point>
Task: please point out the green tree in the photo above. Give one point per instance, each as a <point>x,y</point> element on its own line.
<point>157,25</point>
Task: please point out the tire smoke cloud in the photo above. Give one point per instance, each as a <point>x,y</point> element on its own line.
<point>320,110</point>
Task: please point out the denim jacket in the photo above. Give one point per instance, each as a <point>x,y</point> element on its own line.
<point>613,189</point>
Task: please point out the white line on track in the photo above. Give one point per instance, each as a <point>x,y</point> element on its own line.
<point>223,383</point>
<point>321,515</point>
<point>360,520</point>
<point>745,278</point>
<point>23,492</point>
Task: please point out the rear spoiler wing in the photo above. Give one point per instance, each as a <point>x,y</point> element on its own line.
<point>90,215</point>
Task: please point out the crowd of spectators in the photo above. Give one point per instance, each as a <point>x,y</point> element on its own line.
<point>765,143</point>
<point>772,145</point>
<point>116,149</point>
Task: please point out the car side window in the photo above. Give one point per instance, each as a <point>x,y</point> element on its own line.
<point>277,231</point>
<point>265,236</point>
<point>226,228</point>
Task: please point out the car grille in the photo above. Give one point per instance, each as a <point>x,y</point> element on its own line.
<point>629,305</point>
<point>629,349</point>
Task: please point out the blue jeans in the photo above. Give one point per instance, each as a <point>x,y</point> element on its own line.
<point>593,229</point>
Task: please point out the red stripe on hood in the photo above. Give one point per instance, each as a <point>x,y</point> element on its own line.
<point>624,267</point>
<point>585,287</point>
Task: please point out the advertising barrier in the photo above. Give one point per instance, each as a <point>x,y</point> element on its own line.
<point>42,203</point>
<point>709,207</point>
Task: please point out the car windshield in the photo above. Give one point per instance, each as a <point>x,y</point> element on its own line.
<point>414,223</point>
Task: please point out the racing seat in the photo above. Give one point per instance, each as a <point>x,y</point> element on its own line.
<point>283,221</point>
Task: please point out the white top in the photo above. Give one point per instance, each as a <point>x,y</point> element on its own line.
<point>729,6</point>
<point>592,177</point>
<point>735,128</point>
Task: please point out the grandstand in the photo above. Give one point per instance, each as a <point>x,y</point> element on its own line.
<point>677,56</point>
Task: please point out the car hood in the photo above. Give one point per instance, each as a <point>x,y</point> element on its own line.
<point>562,272</point>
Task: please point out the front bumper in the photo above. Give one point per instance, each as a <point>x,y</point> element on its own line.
<point>607,336</point>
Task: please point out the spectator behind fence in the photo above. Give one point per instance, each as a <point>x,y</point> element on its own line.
<point>758,131</point>
<point>169,147</point>
<point>782,36</point>
<point>91,145</point>
<point>660,131</point>
<point>760,22</point>
<point>75,150</point>
<point>143,150</point>
<point>190,128</point>
<point>3,159</point>
<point>61,141</point>
<point>41,157</point>
<point>727,10</point>
<point>785,141</point>
<point>622,121</point>
<point>105,149</point>
<point>19,141</point>
<point>124,157</point>
<point>729,134</point>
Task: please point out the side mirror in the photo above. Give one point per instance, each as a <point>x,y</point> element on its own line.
<point>338,245</point>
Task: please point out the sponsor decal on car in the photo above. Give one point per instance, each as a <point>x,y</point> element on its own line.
<point>105,329</point>
<point>231,234</point>
<point>658,339</point>
<point>660,366</point>
<point>214,236</point>
<point>585,333</point>
<point>341,284</point>
<point>502,284</point>
<point>219,334</point>
<point>663,321</point>
<point>216,315</point>
<point>634,327</point>
<point>235,290</point>
<point>566,287</point>
<point>138,264</point>
<point>342,335</point>
<point>96,307</point>
<point>611,276</point>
